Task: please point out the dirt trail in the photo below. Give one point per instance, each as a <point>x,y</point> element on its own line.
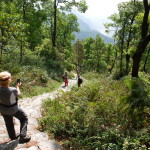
<point>32,106</point>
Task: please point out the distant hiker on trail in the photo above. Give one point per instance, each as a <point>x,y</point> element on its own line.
<point>65,77</point>
<point>9,108</point>
<point>80,80</point>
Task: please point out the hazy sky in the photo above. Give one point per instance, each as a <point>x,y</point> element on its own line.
<point>99,10</point>
<point>102,8</point>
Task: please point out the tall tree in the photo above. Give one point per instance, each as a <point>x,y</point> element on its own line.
<point>11,26</point>
<point>94,50</point>
<point>99,52</point>
<point>127,31</point>
<point>81,5</point>
<point>78,55</point>
<point>144,40</point>
<point>111,56</point>
<point>88,47</point>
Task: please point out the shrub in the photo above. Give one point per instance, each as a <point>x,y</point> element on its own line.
<point>136,102</point>
<point>92,117</point>
<point>133,144</point>
<point>83,116</point>
<point>35,81</point>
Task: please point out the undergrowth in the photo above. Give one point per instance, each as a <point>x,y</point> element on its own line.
<point>35,81</point>
<point>97,116</point>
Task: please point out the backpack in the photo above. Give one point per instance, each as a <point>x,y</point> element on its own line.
<point>80,80</point>
<point>63,77</point>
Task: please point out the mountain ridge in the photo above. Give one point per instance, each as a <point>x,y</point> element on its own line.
<point>86,31</point>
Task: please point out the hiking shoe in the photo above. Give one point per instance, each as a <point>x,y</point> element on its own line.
<point>16,137</point>
<point>24,139</point>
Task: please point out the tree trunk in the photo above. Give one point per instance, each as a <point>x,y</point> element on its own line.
<point>128,44</point>
<point>127,63</point>
<point>55,24</point>
<point>121,58</point>
<point>143,42</point>
<point>121,51</point>
<point>113,61</point>
<point>3,43</point>
<point>24,20</point>
<point>138,55</point>
<point>24,11</point>
<point>21,52</point>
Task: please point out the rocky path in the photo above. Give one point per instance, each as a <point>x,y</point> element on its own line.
<point>39,140</point>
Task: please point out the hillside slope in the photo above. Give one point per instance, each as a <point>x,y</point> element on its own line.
<point>86,31</point>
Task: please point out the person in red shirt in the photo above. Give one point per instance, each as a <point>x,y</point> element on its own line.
<point>65,76</point>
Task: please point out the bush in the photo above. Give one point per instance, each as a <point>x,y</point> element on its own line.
<point>82,115</point>
<point>35,81</point>
<point>136,102</point>
<point>91,117</point>
<point>133,144</point>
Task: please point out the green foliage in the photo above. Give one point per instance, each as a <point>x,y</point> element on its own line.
<point>35,81</point>
<point>27,32</point>
<point>53,59</point>
<point>133,144</point>
<point>136,102</point>
<point>103,114</point>
<point>89,55</point>
<point>127,27</point>
<point>30,59</point>
<point>11,60</point>
<point>35,21</point>
<point>143,136</point>
<point>92,118</point>
<point>78,54</point>
<point>12,27</point>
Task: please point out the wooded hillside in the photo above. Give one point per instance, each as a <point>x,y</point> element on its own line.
<point>40,34</point>
<point>36,46</point>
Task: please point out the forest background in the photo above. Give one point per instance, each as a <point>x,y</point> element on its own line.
<point>37,44</point>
